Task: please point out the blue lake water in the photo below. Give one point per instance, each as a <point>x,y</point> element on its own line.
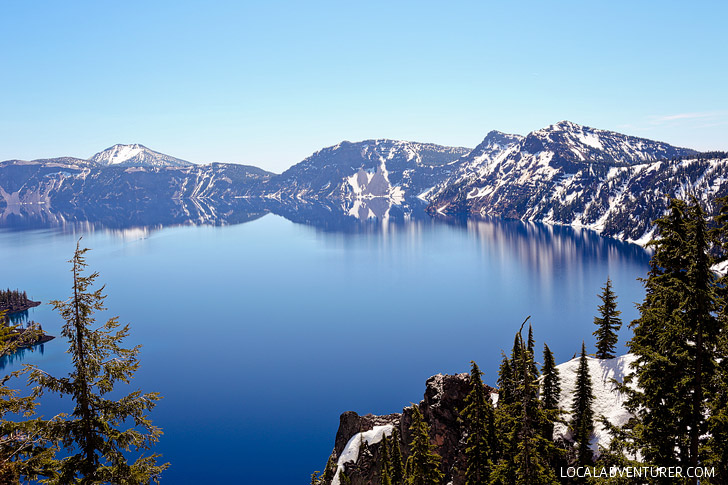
<point>259,335</point>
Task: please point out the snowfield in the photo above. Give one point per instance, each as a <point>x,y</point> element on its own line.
<point>608,401</point>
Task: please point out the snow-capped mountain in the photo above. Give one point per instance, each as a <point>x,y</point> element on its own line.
<point>580,176</point>
<point>563,174</point>
<point>367,169</point>
<point>136,156</point>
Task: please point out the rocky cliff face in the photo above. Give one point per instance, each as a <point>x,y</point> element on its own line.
<point>443,400</point>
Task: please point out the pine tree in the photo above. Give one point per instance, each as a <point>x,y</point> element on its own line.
<point>328,473</point>
<point>582,415</point>
<point>526,451</point>
<point>423,464</point>
<point>480,444</point>
<point>551,390</point>
<point>676,341</point>
<point>608,323</point>
<point>716,452</point>
<point>505,382</point>
<point>386,462</point>
<point>396,459</point>
<point>24,449</point>
<point>100,432</point>
<point>385,479</point>
<point>344,478</point>
<point>531,347</point>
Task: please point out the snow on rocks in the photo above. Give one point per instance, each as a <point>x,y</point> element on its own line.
<point>351,450</point>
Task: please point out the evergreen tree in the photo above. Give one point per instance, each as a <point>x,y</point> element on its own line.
<point>676,341</point>
<point>526,451</point>
<point>608,323</point>
<point>716,451</point>
<point>24,449</point>
<point>480,444</point>
<point>386,462</point>
<point>344,478</point>
<point>315,479</point>
<point>100,432</point>
<point>551,390</point>
<point>328,473</point>
<point>582,416</point>
<point>385,479</point>
<point>395,453</point>
<point>531,347</point>
<point>505,382</point>
<point>423,464</point>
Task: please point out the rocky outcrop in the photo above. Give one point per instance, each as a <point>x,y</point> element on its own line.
<point>443,400</point>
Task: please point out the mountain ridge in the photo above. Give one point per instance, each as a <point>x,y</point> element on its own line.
<point>564,174</point>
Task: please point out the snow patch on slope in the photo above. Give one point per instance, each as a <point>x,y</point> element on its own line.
<point>351,450</point>
<point>608,401</point>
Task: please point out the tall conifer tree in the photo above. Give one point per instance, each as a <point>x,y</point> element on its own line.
<point>716,451</point>
<point>608,323</point>
<point>423,464</point>
<point>551,390</point>
<point>396,458</point>
<point>526,451</point>
<point>582,415</point>
<point>24,446</point>
<point>676,341</point>
<point>481,443</point>
<point>100,432</point>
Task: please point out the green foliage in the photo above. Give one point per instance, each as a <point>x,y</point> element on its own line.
<point>344,478</point>
<point>505,382</point>
<point>677,343</point>
<point>315,479</point>
<point>582,416</point>
<point>23,448</point>
<point>608,323</point>
<point>551,389</point>
<point>13,300</point>
<point>423,464</point>
<point>618,454</point>
<point>551,380</point>
<point>526,453</point>
<point>481,441</point>
<point>397,470</point>
<point>100,432</point>
<point>385,462</point>
<point>330,470</point>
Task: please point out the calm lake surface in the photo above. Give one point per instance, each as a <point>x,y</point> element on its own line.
<point>259,335</point>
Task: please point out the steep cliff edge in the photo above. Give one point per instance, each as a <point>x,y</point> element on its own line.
<point>443,400</point>
<point>358,445</point>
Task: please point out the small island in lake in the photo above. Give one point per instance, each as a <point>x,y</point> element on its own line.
<point>15,301</point>
<point>15,337</point>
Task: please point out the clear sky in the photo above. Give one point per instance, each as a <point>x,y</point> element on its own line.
<point>268,83</point>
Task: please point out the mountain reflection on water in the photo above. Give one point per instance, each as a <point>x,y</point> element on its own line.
<point>350,307</point>
<point>542,244</point>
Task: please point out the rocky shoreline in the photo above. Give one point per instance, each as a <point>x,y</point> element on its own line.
<point>20,308</point>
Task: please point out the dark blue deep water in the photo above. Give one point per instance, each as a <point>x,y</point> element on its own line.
<point>259,335</point>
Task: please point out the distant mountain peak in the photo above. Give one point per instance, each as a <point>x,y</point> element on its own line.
<point>136,155</point>
<point>566,125</point>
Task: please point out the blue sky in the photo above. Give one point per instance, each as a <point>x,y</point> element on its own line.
<point>268,83</point>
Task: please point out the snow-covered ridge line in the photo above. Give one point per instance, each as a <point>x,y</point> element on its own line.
<point>582,177</point>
